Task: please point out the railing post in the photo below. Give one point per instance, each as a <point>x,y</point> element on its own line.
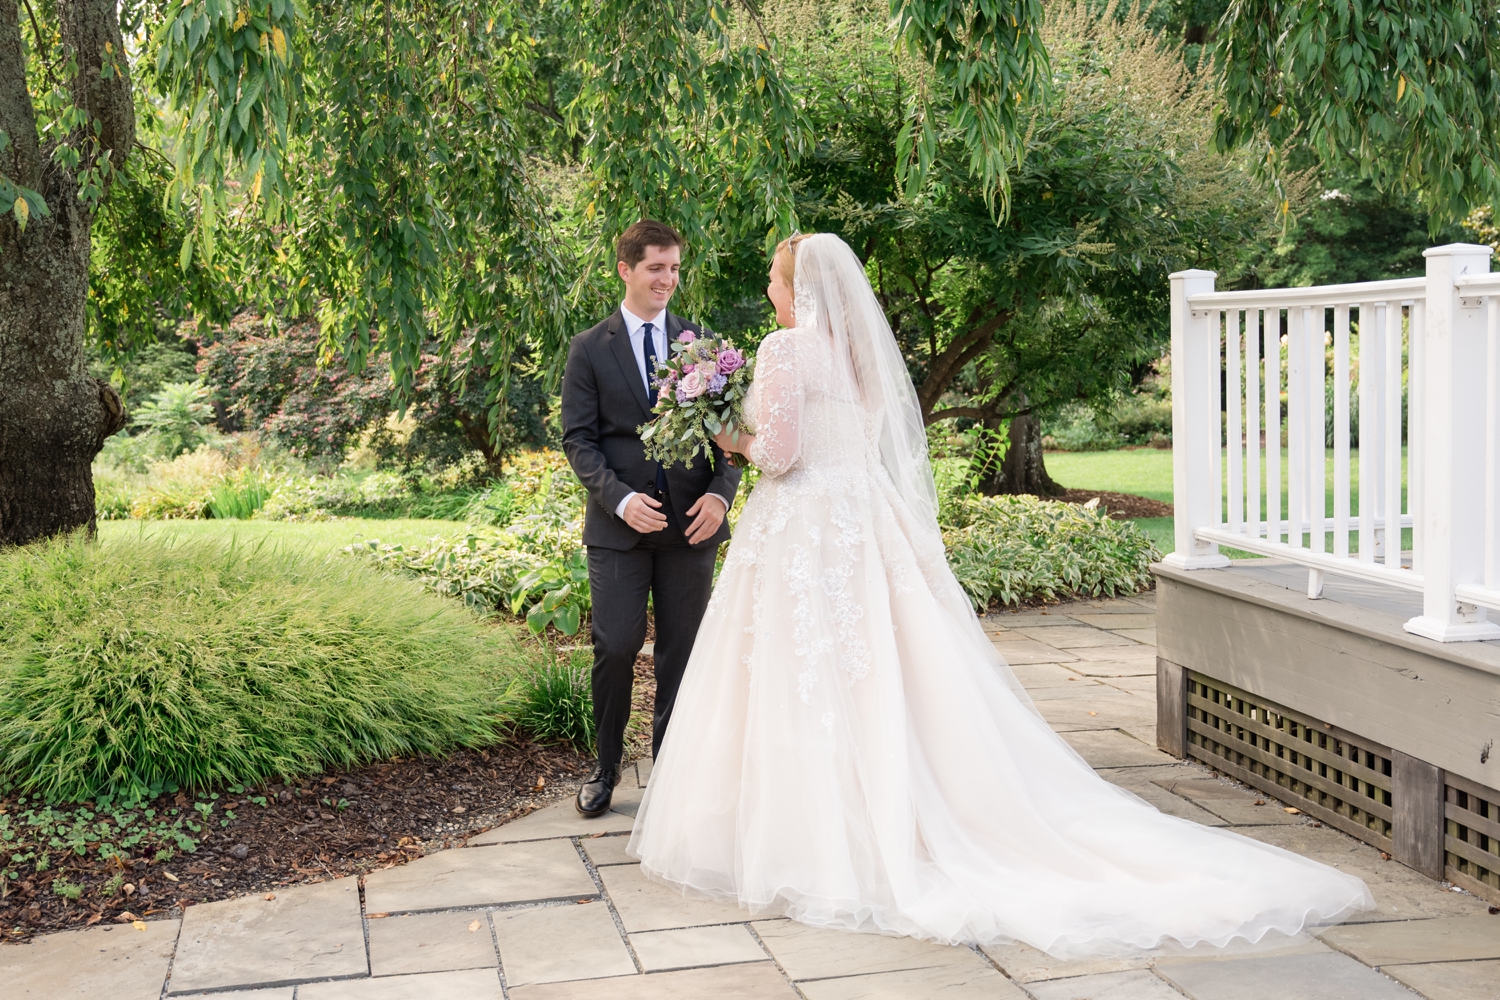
<point>1196,372</point>
<point>1452,507</point>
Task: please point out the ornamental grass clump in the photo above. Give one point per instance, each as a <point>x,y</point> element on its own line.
<point>557,704</point>
<point>140,665</point>
<point>1018,548</point>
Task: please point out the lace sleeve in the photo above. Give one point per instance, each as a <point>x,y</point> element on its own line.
<point>780,393</point>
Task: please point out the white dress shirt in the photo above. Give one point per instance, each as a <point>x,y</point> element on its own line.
<point>635,327</point>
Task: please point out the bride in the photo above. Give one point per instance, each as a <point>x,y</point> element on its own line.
<point>847,747</point>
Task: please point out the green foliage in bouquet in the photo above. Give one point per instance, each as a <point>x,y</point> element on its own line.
<point>700,391</point>
<point>1019,548</point>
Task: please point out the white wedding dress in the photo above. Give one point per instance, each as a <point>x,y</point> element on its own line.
<point>848,749</point>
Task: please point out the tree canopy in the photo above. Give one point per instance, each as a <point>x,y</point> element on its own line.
<point>446,179</point>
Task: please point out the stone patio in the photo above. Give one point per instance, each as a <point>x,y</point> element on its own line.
<point>550,908</point>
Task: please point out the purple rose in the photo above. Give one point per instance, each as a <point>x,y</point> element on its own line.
<point>687,337</point>
<point>730,361</point>
<point>716,384</point>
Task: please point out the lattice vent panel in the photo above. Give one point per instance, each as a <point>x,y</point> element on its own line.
<point>1471,814</point>
<point>1332,775</point>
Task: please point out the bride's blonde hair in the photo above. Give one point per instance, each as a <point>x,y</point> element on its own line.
<point>784,256</point>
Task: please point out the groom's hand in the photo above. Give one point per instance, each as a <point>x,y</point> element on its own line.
<point>644,514</point>
<point>707,514</point>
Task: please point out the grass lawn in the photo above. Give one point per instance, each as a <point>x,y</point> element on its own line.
<point>1147,472</point>
<point>309,536</point>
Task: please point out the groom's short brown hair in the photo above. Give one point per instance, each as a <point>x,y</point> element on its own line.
<point>631,249</point>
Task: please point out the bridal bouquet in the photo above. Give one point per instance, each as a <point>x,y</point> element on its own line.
<point>700,391</point>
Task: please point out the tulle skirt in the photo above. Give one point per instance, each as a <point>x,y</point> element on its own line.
<point>847,749</point>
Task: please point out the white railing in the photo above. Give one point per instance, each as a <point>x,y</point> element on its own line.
<point>1425,356</point>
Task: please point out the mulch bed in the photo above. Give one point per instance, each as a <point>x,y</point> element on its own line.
<point>1121,506</point>
<point>397,810</point>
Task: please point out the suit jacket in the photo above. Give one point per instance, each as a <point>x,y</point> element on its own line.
<point>604,400</point>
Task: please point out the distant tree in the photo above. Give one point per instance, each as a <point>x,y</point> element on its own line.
<point>1063,298</point>
<point>273,382</point>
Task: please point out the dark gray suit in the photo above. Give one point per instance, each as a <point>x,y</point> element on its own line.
<point>604,400</point>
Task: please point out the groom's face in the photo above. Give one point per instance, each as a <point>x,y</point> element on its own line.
<point>649,285</point>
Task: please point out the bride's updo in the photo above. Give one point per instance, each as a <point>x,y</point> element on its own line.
<point>784,256</point>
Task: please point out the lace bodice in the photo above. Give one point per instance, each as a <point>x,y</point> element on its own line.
<point>801,421</point>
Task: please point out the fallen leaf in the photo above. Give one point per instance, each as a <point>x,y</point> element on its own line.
<point>377,916</point>
<point>270,896</point>
<point>1260,802</point>
<point>91,921</point>
<point>1292,810</point>
<point>171,877</point>
<point>128,889</point>
<point>126,918</point>
<point>595,836</point>
<point>584,902</point>
<point>473,926</point>
<point>1093,713</point>
<point>1384,856</point>
<point>139,925</point>
<point>459,809</point>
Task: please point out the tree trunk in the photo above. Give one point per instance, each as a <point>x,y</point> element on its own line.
<point>54,418</point>
<point>1023,469</point>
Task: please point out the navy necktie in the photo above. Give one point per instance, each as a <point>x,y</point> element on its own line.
<point>648,340</point>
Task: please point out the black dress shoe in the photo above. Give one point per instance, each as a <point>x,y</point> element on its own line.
<point>594,797</point>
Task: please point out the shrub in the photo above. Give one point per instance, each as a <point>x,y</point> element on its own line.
<point>1018,548</point>
<point>142,664</point>
<point>558,704</point>
<point>177,415</point>
<point>182,487</point>
<point>535,562</point>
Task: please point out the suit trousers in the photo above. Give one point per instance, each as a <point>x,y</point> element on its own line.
<point>678,579</point>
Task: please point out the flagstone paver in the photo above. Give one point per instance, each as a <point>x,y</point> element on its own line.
<point>1134,985</point>
<point>529,872</point>
<point>518,914</point>
<point>1232,803</point>
<point>1328,976</point>
<point>692,947</point>
<point>1451,980</point>
<point>644,905</point>
<point>607,850</point>
<point>117,961</point>
<point>1072,636</point>
<point>552,944</point>
<point>1405,942</point>
<point>1116,619</point>
<point>976,982</point>
<point>820,953</point>
<point>431,942</point>
<point>472,984</point>
<point>760,981</point>
<point>1029,651</point>
<point>1112,748</point>
<point>302,933</point>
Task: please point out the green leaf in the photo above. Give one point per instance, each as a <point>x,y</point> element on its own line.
<point>567,619</point>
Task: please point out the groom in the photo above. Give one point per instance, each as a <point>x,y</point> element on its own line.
<point>649,529</point>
